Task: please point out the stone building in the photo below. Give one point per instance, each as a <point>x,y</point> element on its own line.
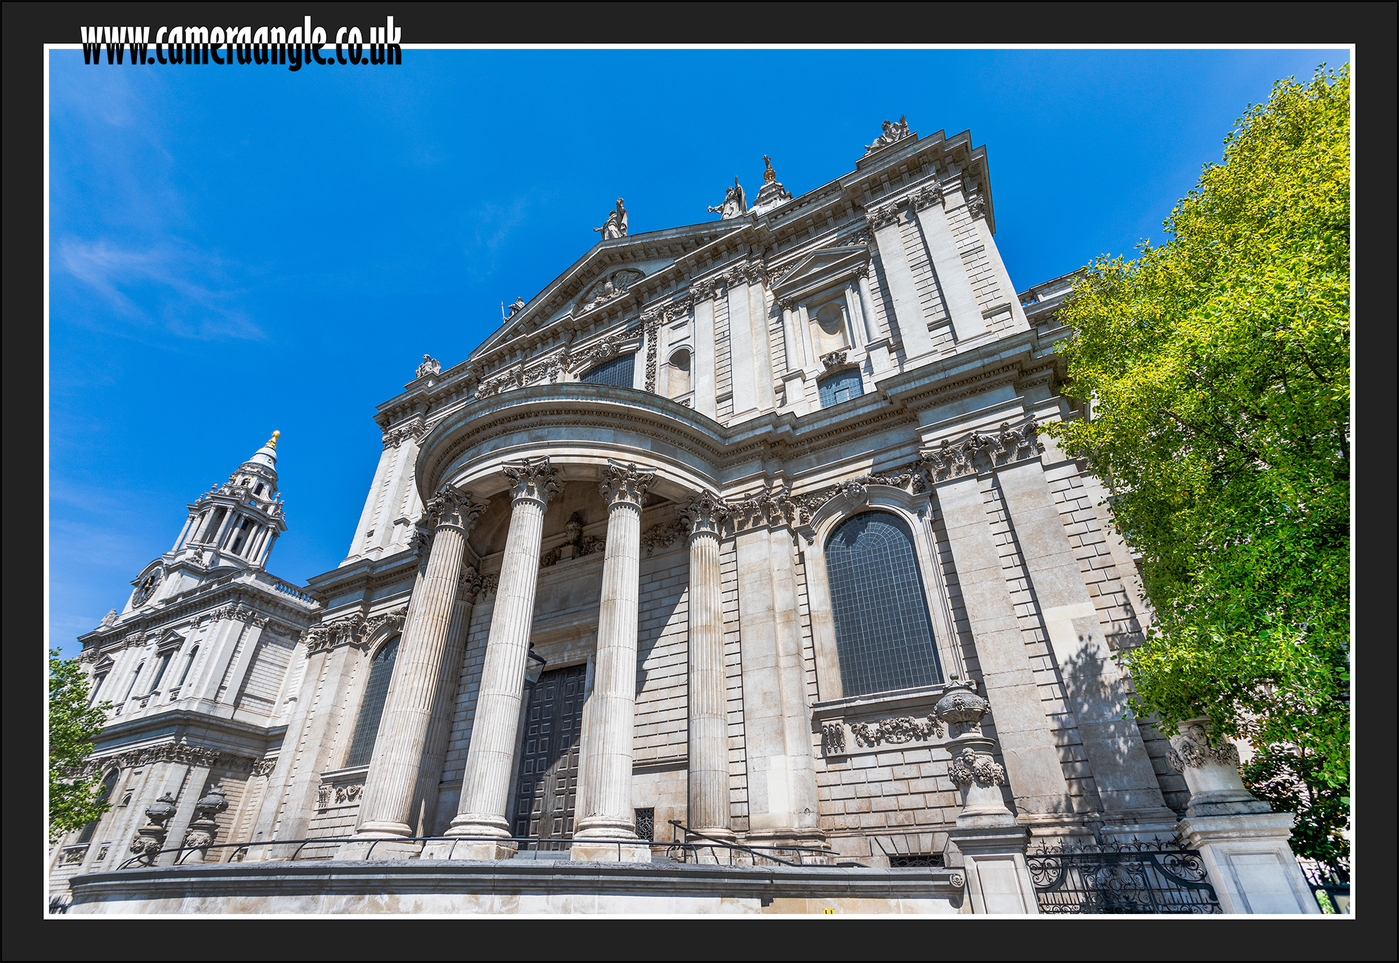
<point>716,539</point>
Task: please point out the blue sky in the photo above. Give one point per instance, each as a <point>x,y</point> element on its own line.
<point>239,249</point>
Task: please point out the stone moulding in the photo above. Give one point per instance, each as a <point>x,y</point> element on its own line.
<point>979,452</point>
<point>363,886</point>
<point>866,724</point>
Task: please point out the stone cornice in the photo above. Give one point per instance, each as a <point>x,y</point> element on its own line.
<point>249,599</point>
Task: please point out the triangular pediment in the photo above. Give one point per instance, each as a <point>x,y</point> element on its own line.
<point>821,269</point>
<point>604,276</point>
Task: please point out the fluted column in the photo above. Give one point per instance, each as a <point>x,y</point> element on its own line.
<point>386,809</point>
<point>708,810</point>
<point>607,762</point>
<point>486,786</point>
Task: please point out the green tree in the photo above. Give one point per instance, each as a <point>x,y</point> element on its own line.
<point>1218,368</point>
<point>73,801</point>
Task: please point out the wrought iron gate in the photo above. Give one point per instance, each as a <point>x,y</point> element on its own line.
<point>1136,877</point>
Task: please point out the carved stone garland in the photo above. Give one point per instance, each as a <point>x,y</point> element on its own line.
<point>1004,446</point>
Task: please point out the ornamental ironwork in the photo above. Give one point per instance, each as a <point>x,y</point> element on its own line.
<point>1136,877</point>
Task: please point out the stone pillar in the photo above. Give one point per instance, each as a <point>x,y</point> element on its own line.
<point>877,345</point>
<point>386,809</point>
<point>708,808</point>
<point>425,800</point>
<point>607,760</point>
<point>957,294</point>
<point>794,380</point>
<point>705,363</point>
<point>1093,685</point>
<point>1242,841</point>
<point>783,808</point>
<point>485,789</point>
<point>991,841</point>
<point>903,291</point>
<point>1027,744</point>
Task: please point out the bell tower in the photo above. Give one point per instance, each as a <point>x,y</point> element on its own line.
<point>236,522</point>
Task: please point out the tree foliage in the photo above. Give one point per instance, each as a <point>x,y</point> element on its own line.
<point>1218,368</point>
<point>73,801</point>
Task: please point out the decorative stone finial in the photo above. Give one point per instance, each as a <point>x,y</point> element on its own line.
<point>772,193</point>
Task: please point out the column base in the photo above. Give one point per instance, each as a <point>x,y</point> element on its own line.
<point>496,843</point>
<point>455,849</point>
<point>601,851</point>
<point>377,848</point>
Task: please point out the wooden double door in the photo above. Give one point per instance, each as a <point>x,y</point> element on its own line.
<point>547,791</point>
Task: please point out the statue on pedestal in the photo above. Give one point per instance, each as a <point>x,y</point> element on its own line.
<point>616,223</point>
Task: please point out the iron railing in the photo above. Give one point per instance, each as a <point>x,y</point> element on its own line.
<point>1120,877</point>
<point>331,845</point>
<point>729,853</point>
<point>1330,884</point>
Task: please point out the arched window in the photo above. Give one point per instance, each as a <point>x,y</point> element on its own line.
<point>841,386</point>
<point>679,381</point>
<point>103,795</point>
<point>134,676</point>
<point>884,636</point>
<point>189,662</point>
<point>371,707</point>
<point>617,372</point>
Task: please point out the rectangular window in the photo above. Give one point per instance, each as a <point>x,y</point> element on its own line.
<point>841,386</point>
<point>646,824</point>
<point>619,372</point>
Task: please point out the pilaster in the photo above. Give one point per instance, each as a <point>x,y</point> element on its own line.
<point>957,294</point>
<point>903,292</point>
<point>708,805</point>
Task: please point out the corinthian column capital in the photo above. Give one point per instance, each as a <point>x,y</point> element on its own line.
<point>532,479</point>
<point>625,483</point>
<point>453,506</point>
<point>705,515</point>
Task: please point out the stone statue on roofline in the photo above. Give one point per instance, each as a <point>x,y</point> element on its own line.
<point>616,223</point>
<point>893,133</point>
<point>735,203</point>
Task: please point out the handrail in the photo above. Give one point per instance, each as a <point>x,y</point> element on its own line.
<point>522,842</point>
<point>741,847</point>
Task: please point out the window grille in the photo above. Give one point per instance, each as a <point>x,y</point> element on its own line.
<point>841,386</point>
<point>372,707</point>
<point>884,636</point>
<point>646,824</point>
<point>916,859</point>
<point>618,372</point>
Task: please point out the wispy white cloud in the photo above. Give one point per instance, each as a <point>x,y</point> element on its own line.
<point>168,284</point>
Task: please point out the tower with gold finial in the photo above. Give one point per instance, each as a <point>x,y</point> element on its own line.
<point>235,523</point>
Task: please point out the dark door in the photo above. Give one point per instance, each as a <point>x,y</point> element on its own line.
<point>548,787</point>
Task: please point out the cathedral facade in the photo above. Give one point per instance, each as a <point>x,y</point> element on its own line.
<point>712,542</point>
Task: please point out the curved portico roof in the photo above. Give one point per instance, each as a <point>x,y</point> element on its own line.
<point>579,427</point>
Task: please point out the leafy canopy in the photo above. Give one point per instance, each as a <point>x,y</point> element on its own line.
<point>73,802</point>
<point>1218,368</point>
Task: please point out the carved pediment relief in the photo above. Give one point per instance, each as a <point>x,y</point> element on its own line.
<point>820,270</point>
<point>607,288</point>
